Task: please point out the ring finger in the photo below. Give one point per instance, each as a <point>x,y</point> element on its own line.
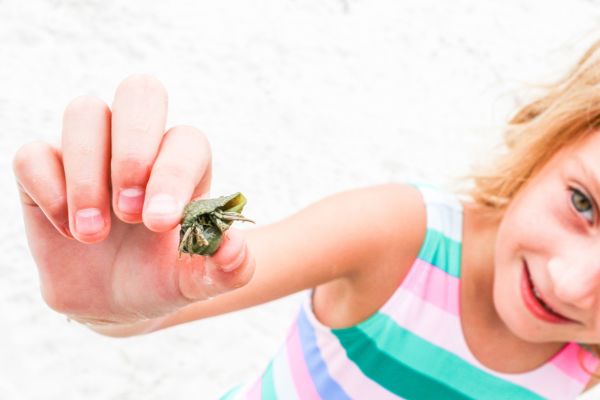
<point>86,153</point>
<point>138,125</point>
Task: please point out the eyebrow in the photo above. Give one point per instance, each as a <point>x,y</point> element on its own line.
<point>590,175</point>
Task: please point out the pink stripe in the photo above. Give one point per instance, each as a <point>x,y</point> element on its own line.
<point>256,392</point>
<point>444,330</point>
<point>434,286</point>
<point>302,380</point>
<point>568,362</point>
<point>344,371</point>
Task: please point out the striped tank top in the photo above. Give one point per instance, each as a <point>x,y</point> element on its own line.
<point>413,347</point>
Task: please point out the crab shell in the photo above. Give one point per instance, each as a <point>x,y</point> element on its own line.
<point>195,214</point>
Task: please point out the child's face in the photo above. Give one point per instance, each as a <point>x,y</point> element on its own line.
<point>550,237</point>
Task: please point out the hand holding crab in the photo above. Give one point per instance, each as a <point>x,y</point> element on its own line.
<point>102,212</point>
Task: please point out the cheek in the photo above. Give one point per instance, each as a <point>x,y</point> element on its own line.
<point>508,237</point>
<point>533,224</point>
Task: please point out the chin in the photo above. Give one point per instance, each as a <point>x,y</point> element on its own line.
<point>514,316</point>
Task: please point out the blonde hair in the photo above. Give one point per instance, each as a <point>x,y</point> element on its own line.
<point>566,112</point>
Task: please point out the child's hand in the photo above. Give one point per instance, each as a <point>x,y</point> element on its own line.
<point>102,212</point>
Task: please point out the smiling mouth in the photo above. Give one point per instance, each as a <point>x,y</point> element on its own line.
<point>534,302</point>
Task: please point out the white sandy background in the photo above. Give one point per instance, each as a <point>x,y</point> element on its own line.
<point>299,99</point>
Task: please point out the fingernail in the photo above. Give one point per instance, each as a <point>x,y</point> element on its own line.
<point>236,263</point>
<point>89,221</point>
<point>131,200</point>
<point>162,205</point>
<point>235,248</point>
<point>231,253</point>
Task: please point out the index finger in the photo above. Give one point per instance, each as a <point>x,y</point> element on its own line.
<point>138,123</point>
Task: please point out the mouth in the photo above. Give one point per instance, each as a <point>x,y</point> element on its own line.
<point>535,303</point>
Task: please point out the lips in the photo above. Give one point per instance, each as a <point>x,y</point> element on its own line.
<point>535,304</point>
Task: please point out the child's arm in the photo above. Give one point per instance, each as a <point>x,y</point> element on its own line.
<point>365,237</point>
<point>101,214</point>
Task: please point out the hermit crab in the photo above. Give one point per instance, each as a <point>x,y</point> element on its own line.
<point>204,222</point>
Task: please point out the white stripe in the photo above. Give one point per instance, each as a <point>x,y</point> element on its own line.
<point>445,220</point>
<point>435,195</point>
<point>242,393</point>
<point>444,212</point>
<point>248,385</point>
<point>284,385</point>
<point>444,330</point>
<point>341,368</point>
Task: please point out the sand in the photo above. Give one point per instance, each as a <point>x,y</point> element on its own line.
<point>298,99</point>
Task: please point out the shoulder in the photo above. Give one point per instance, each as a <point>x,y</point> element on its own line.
<point>381,217</point>
<point>403,210</point>
<point>375,223</point>
<point>392,219</point>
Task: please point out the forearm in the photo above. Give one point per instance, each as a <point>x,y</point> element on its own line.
<point>332,239</point>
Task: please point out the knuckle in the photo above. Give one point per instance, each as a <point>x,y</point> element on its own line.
<point>133,168</point>
<point>84,189</point>
<point>242,274</point>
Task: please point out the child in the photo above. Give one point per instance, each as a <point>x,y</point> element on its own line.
<point>416,293</point>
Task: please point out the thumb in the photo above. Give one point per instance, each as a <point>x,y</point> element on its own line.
<point>230,267</point>
<point>232,252</point>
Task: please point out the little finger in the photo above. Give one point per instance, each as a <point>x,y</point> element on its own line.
<point>39,172</point>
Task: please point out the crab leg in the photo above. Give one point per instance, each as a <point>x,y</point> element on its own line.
<point>200,237</point>
<point>184,239</point>
<point>222,226</point>
<point>231,216</point>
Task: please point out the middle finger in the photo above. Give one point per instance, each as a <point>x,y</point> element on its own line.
<point>138,124</point>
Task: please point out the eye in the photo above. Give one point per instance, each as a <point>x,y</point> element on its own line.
<point>582,204</point>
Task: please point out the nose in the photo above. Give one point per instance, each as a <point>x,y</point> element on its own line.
<point>575,281</point>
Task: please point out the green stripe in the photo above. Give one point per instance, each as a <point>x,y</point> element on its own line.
<point>268,387</point>
<point>419,185</point>
<point>411,367</point>
<point>442,252</point>
<point>230,395</point>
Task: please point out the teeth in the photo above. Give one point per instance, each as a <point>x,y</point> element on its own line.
<point>546,306</point>
<point>537,295</point>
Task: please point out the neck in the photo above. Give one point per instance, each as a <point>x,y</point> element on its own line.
<point>477,269</point>
<point>488,337</point>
